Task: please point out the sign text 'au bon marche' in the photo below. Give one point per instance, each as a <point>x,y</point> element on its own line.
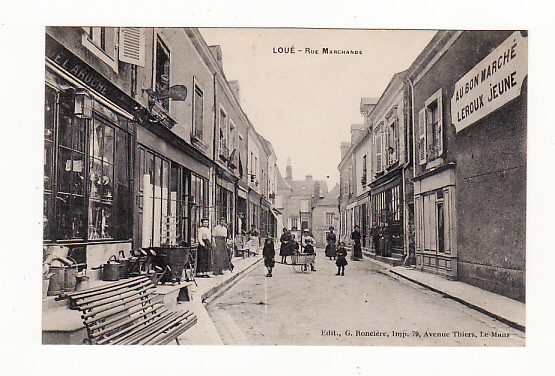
<point>494,81</point>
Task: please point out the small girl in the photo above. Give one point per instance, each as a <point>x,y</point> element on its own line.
<point>341,259</point>
<point>309,249</point>
<point>268,253</point>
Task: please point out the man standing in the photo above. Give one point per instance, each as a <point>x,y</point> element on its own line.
<point>220,247</point>
<point>357,250</point>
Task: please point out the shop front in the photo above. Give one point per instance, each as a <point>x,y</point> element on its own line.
<point>254,210</point>
<point>225,202</point>
<point>363,218</point>
<point>266,218</point>
<point>242,197</point>
<point>387,216</point>
<point>172,192</point>
<point>436,246</point>
<point>87,160</point>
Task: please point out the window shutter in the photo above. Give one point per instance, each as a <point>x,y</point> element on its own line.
<point>132,46</point>
<point>422,152</point>
<point>439,129</point>
<point>379,152</point>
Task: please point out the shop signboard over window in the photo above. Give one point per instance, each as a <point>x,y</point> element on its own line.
<point>494,81</point>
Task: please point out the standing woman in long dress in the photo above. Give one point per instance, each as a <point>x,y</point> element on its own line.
<point>204,250</point>
<point>283,249</point>
<point>357,248</point>
<point>220,247</point>
<point>331,246</point>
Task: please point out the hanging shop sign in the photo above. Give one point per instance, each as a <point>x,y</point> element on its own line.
<point>494,81</point>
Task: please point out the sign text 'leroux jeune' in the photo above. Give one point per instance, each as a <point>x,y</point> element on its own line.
<point>494,81</point>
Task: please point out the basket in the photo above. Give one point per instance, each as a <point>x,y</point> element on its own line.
<point>302,258</point>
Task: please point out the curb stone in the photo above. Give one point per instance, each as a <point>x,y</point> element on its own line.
<point>460,300</point>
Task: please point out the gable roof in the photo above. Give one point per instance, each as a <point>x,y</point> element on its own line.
<point>297,186</point>
<point>331,198</point>
<point>281,182</point>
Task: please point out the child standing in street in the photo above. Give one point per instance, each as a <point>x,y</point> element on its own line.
<point>309,250</point>
<point>341,259</point>
<point>268,253</point>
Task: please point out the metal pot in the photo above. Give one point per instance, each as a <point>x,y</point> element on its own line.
<point>70,276</point>
<point>110,270</point>
<point>82,282</point>
<point>124,265</point>
<point>56,285</point>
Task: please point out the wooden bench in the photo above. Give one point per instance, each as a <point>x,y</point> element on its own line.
<point>128,313</point>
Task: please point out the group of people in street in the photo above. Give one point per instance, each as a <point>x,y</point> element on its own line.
<point>213,249</point>
<point>290,247</point>
<point>336,252</point>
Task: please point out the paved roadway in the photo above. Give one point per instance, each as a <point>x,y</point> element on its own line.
<point>367,306</point>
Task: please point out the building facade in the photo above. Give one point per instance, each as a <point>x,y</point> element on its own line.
<point>325,214</point>
<point>90,122</point>
<point>470,158</point>
<point>295,199</point>
<point>144,137</point>
<point>390,183</point>
<point>347,191</point>
<point>444,145</point>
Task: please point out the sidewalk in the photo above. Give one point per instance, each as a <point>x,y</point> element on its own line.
<point>204,332</point>
<point>506,310</point>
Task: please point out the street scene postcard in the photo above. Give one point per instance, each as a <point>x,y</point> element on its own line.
<point>284,186</point>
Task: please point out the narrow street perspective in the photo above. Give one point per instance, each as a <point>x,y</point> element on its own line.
<point>284,186</point>
<point>367,306</point>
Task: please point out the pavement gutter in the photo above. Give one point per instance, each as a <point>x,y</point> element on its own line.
<point>202,314</point>
<point>458,299</point>
<point>228,282</point>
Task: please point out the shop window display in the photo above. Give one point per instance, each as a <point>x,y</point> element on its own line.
<point>49,122</point>
<point>101,181</point>
<point>172,201</point>
<point>80,188</point>
<point>70,199</point>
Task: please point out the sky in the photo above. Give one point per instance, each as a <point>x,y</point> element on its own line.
<point>305,104</point>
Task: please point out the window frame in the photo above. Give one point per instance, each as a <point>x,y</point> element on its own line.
<point>330,216</point>
<point>197,86</point>
<point>294,223</point>
<point>90,43</point>
<point>222,136</point>
<point>159,40</point>
<point>231,137</point>
<point>434,138</point>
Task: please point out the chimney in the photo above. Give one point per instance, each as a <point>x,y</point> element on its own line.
<point>367,105</point>
<point>217,53</point>
<point>288,171</point>
<point>316,191</point>
<point>235,89</point>
<point>344,148</point>
<point>356,131</point>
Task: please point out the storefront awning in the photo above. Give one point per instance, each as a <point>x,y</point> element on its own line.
<point>275,213</point>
